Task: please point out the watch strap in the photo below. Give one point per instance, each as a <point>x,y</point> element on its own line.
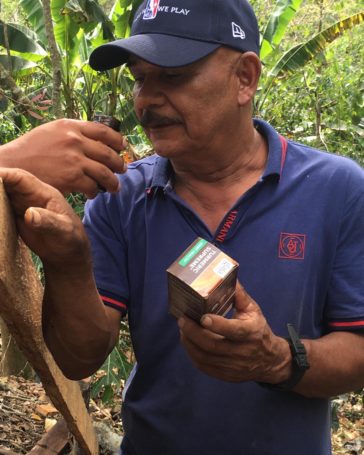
<point>299,362</point>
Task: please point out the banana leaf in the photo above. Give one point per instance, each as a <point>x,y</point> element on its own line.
<point>297,57</point>
<point>277,25</point>
<point>18,65</point>
<point>65,28</point>
<point>88,14</point>
<point>120,16</point>
<point>73,15</point>
<point>33,10</point>
<point>21,39</point>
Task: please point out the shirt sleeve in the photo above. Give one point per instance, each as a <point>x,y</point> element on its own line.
<point>345,301</point>
<point>109,252</point>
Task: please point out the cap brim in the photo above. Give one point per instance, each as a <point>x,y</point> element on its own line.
<point>161,50</point>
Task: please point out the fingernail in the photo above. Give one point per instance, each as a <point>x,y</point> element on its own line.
<point>206,321</point>
<point>181,323</point>
<point>34,217</point>
<point>125,143</point>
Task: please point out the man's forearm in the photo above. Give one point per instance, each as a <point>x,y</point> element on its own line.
<point>336,365</point>
<point>75,324</point>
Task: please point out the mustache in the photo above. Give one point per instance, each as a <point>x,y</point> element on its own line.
<point>151,119</point>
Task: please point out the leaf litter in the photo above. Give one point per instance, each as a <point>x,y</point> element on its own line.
<point>26,413</point>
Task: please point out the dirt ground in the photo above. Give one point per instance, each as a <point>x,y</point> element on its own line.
<point>26,414</point>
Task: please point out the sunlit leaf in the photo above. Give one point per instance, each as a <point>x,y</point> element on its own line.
<point>18,64</point>
<point>277,25</point>
<point>299,55</point>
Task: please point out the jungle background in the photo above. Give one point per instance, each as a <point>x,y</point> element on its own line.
<point>311,91</point>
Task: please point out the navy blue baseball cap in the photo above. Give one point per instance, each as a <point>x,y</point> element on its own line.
<point>172,33</point>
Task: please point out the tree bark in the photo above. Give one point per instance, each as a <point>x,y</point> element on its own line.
<point>7,46</point>
<point>21,307</point>
<point>55,58</point>
<point>13,361</point>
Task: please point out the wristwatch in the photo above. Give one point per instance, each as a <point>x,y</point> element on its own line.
<point>299,362</point>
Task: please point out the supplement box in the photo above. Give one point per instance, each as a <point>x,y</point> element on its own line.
<point>202,280</point>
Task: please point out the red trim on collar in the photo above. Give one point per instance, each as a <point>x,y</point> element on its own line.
<point>284,151</point>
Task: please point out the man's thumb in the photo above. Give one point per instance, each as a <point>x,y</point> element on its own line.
<point>32,217</point>
<point>44,220</point>
<point>243,302</point>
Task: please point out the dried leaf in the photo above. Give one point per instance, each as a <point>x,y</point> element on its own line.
<point>49,423</point>
<point>45,409</point>
<point>34,114</point>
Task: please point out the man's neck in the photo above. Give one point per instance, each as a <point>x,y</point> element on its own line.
<point>212,186</point>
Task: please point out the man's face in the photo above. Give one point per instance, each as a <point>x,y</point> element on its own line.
<point>187,109</point>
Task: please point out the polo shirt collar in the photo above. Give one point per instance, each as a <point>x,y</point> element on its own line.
<point>276,149</point>
<point>163,170</point>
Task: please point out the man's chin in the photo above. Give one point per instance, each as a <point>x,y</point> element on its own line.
<point>165,147</point>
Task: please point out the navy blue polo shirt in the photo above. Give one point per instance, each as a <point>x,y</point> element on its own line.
<point>298,237</point>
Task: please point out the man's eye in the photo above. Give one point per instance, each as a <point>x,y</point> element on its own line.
<point>173,75</point>
<point>138,79</point>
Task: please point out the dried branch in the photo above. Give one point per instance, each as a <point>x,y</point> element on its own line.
<point>23,103</point>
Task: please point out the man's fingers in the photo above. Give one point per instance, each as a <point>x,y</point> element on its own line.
<point>244,303</point>
<point>26,187</point>
<point>17,178</point>
<point>103,176</point>
<point>231,329</point>
<point>210,340</point>
<point>100,132</point>
<point>247,313</point>
<point>45,220</point>
<point>107,156</point>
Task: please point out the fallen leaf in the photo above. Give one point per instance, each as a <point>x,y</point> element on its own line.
<point>45,409</point>
<point>49,423</point>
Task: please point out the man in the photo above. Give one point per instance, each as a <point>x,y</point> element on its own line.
<point>293,218</point>
<point>71,155</point>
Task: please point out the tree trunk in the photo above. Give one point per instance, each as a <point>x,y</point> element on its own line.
<point>55,58</point>
<point>12,361</point>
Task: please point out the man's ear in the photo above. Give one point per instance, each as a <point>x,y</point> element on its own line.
<point>248,71</point>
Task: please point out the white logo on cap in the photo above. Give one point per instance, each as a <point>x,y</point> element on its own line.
<point>238,32</point>
<point>151,9</point>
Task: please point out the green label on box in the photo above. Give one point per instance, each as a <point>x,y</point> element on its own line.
<point>193,251</point>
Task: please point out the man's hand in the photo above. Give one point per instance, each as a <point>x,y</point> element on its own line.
<point>45,221</point>
<point>71,155</point>
<point>243,348</point>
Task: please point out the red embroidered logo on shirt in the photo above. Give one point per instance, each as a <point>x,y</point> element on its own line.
<point>227,226</point>
<point>292,246</point>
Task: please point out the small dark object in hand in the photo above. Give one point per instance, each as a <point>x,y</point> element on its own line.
<point>107,120</point>
<point>111,122</point>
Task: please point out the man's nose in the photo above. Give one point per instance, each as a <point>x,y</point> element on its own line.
<point>148,94</point>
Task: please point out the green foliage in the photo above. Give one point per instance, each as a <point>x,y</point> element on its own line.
<point>298,56</point>
<point>115,369</point>
<point>21,39</point>
<point>277,25</point>
<point>8,129</point>
<point>34,12</point>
